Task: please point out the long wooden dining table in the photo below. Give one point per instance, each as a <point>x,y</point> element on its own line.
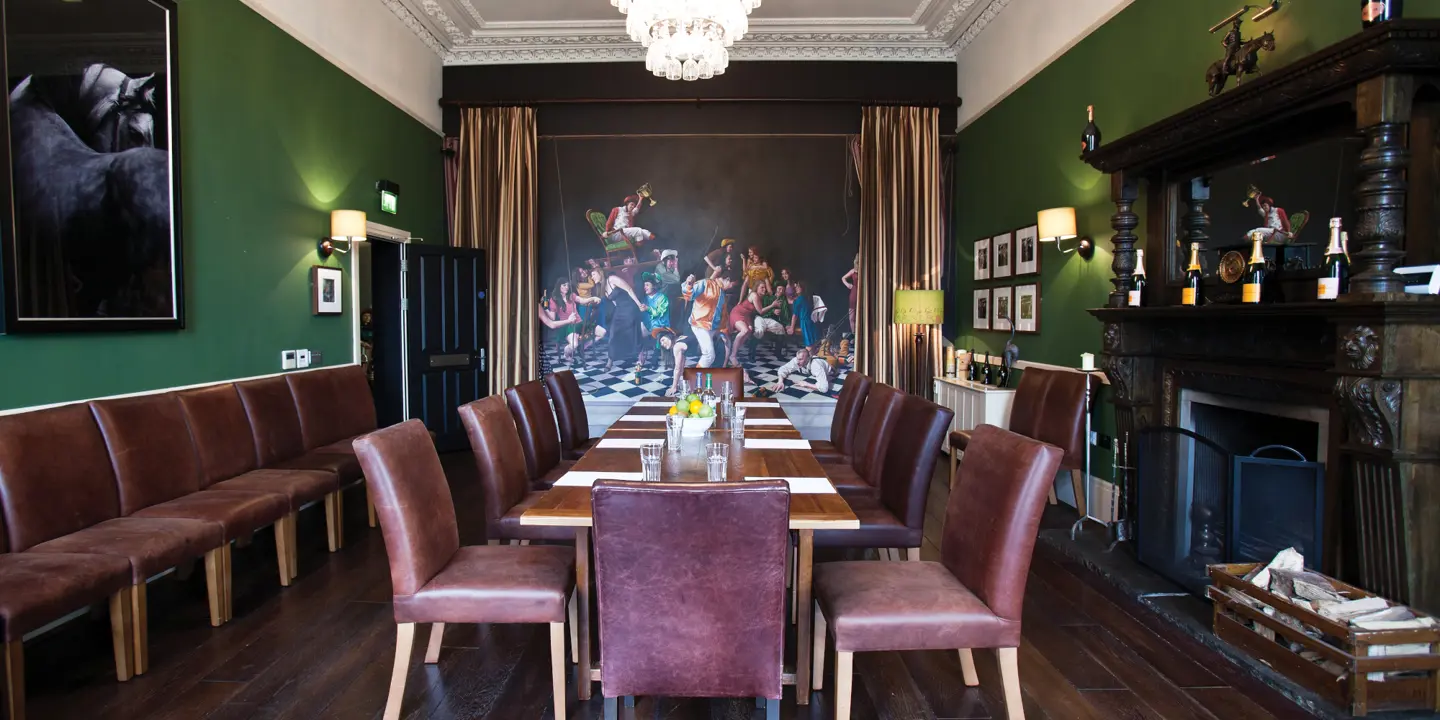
<point>814,504</point>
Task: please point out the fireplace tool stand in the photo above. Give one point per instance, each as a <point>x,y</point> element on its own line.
<point>1117,523</point>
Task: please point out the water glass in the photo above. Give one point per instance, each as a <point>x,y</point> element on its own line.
<point>716,467</point>
<point>674,425</point>
<point>684,388</point>
<point>650,461</point>
<point>737,423</point>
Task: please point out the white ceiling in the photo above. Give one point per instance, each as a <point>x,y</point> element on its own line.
<point>467,32</point>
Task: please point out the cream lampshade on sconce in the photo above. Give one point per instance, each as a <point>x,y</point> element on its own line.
<point>1057,224</point>
<point>346,226</point>
<point>919,307</point>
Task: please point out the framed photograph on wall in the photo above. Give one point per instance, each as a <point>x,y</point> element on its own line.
<point>982,259</point>
<point>89,168</point>
<point>1027,308</point>
<point>1027,250</point>
<point>982,310</point>
<point>327,296</point>
<point>1003,302</point>
<point>1004,249</point>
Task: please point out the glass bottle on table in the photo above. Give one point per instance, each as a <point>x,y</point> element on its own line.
<point>1192,293</point>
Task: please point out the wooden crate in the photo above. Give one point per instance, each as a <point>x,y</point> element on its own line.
<point>1341,644</point>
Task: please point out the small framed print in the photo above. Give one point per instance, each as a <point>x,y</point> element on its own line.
<point>1027,250</point>
<point>1003,300</point>
<point>1027,308</point>
<point>325,284</point>
<point>982,309</point>
<point>982,259</point>
<point>1004,248</point>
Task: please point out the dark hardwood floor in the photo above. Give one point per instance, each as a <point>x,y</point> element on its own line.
<point>323,648</point>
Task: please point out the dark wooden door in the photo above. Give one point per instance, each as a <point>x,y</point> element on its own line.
<point>445,308</point>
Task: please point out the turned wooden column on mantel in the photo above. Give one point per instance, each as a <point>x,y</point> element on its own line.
<point>1382,110</point>
<point>1124,191</point>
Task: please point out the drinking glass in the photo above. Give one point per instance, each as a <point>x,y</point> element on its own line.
<point>716,466</point>
<point>650,461</point>
<point>674,424</point>
<point>684,388</point>
<point>737,423</point>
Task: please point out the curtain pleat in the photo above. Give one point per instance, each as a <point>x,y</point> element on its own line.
<point>900,242</point>
<point>495,211</point>
<point>451,149</point>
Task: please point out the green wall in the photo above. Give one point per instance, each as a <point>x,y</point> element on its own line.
<point>273,137</point>
<point>1022,156</point>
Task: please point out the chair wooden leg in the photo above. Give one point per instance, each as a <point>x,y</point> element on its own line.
<point>228,577</point>
<point>432,651</point>
<point>574,628</point>
<point>772,709</point>
<point>1010,675</point>
<point>370,509</point>
<point>292,542</point>
<point>967,668</point>
<point>954,462</point>
<point>15,680</point>
<point>214,586</point>
<point>139,602</point>
<point>1052,499</point>
<point>817,671</point>
<point>844,675</point>
<point>1077,483</point>
<point>492,542</point>
<point>630,701</point>
<point>282,550</point>
<point>557,667</point>
<point>404,643</point>
<point>612,708</point>
<point>912,554</point>
<point>121,640</point>
<point>514,543</point>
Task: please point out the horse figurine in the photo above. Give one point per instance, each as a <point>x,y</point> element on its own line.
<point>1246,62</point>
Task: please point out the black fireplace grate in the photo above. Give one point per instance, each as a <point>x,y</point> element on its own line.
<point>1276,503</point>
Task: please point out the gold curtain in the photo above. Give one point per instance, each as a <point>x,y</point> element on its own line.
<point>495,211</point>
<point>900,242</point>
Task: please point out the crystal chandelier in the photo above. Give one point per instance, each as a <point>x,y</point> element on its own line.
<point>687,39</point>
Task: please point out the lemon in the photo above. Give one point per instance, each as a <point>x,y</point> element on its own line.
<point>695,406</point>
<point>673,410</point>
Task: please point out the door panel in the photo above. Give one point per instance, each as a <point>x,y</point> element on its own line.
<point>445,303</point>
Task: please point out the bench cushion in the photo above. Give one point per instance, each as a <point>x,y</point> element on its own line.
<point>37,588</point>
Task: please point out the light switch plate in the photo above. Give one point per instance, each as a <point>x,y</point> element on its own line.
<point>302,358</point>
<point>287,359</point>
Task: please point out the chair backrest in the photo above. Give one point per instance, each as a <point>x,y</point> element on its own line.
<point>55,475</point>
<point>498,456</point>
<point>333,404</point>
<point>994,513</point>
<point>417,514</point>
<point>919,430</point>
<point>597,222</point>
<point>695,377</point>
<point>220,430</point>
<point>274,422</point>
<point>872,432</point>
<point>150,449</point>
<point>536,423</point>
<point>847,411</point>
<point>569,409</point>
<point>1050,407</point>
<point>691,587</point>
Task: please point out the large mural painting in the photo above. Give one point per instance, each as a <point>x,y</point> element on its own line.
<point>660,253</point>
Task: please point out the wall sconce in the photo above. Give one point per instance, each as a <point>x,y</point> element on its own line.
<point>919,307</point>
<point>1058,224</point>
<point>346,226</point>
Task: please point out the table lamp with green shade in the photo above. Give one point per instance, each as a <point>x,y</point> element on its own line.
<point>919,307</point>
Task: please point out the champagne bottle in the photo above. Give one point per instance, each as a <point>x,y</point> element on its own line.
<point>986,377</point>
<point>1003,376</point>
<point>1335,277</point>
<point>971,368</point>
<point>1137,292</point>
<point>1378,11</point>
<point>1090,136</point>
<point>1255,273</point>
<point>1192,293</point>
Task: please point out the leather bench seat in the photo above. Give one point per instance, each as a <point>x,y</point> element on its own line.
<point>345,467</point>
<point>300,487</point>
<point>36,588</point>
<point>151,545</point>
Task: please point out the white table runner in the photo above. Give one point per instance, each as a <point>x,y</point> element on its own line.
<point>768,444</point>
<point>766,421</point>
<point>804,485</point>
<point>622,443</point>
<point>643,418</point>
<point>586,479</point>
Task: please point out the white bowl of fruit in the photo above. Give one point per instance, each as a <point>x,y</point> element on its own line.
<point>698,416</point>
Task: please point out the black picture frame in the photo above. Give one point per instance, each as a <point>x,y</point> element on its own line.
<point>12,283</point>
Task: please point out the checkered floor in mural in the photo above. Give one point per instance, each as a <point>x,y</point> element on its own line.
<point>597,382</point>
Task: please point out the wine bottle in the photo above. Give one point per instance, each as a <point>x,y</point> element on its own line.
<point>1255,273</point>
<point>971,367</point>
<point>987,379</point>
<point>1090,136</point>
<point>1003,376</point>
<point>1335,277</point>
<point>1191,294</point>
<point>1137,291</point>
<point>1378,11</point>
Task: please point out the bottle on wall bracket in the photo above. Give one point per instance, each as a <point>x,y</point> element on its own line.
<point>1136,295</point>
<point>1335,276</point>
<point>1192,293</point>
<point>1378,11</point>
<point>1255,272</point>
<point>1090,136</point>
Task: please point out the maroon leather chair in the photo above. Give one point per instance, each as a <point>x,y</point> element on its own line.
<point>695,377</point>
<point>570,412</point>
<point>434,579</point>
<point>840,447</point>
<point>1049,407</point>
<point>970,599</point>
<point>335,406</point>
<point>501,462</point>
<point>692,599</point>
<point>538,434</point>
<point>861,477</point>
<point>226,450</point>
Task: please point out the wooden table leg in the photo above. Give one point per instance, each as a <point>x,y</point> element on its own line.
<point>582,599</point>
<point>804,576</point>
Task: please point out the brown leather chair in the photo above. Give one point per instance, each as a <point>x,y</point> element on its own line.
<point>1049,407</point>
<point>226,450</point>
<point>335,406</point>
<point>570,412</point>
<point>692,599</point>
<point>896,520</point>
<point>538,434</point>
<point>970,599</point>
<point>501,461</point>
<point>860,478</point>
<point>434,579</point>
<point>695,377</point>
<point>839,448</point>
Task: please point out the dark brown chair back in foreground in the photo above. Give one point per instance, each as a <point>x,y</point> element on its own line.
<point>970,599</point>
<point>539,435</point>
<point>838,449</point>
<point>691,586</point>
<point>570,413</point>
<point>501,461</point>
<point>695,377</point>
<point>437,581</point>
